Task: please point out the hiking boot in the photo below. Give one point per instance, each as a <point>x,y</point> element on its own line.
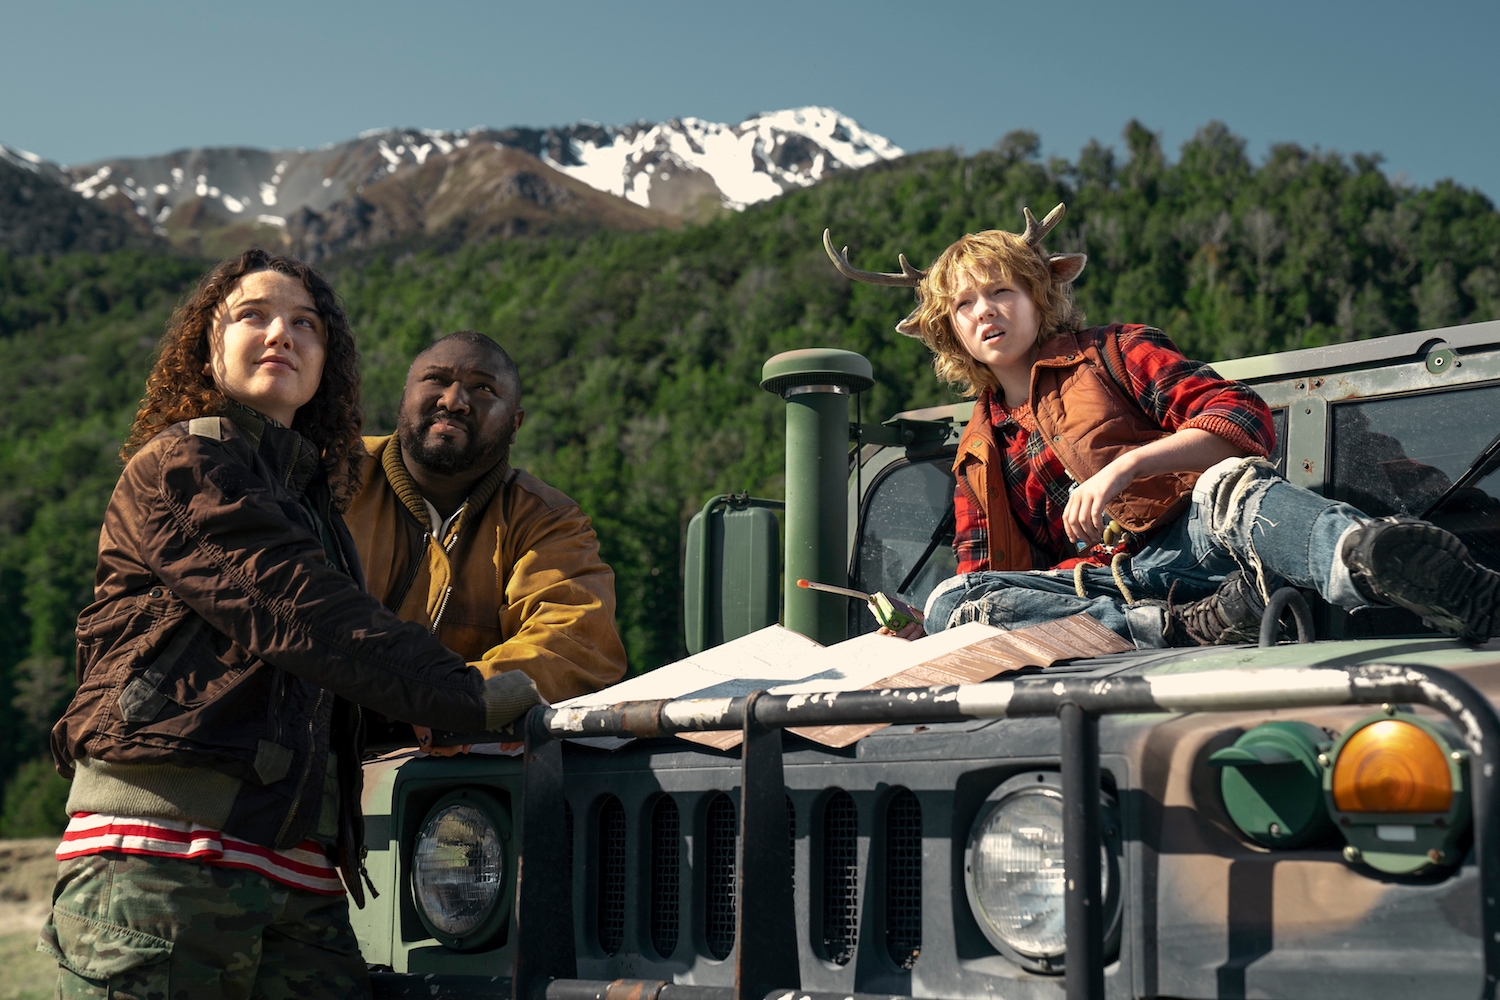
<point>1426,570</point>
<point>1228,616</point>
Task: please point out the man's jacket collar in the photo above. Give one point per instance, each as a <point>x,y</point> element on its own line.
<point>405,488</point>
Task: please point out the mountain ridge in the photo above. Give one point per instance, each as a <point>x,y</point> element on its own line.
<point>215,198</point>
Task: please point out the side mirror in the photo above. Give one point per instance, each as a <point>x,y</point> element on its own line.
<point>733,573</point>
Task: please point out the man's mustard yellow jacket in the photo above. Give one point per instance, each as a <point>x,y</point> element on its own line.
<point>517,584</point>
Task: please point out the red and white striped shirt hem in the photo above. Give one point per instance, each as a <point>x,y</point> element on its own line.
<point>305,866</point>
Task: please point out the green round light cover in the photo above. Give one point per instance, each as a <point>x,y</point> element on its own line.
<point>1272,784</point>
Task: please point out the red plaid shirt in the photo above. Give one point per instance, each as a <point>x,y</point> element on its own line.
<point>1173,390</point>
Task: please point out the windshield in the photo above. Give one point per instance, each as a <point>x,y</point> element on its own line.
<point>906,506</point>
<point>1396,456</point>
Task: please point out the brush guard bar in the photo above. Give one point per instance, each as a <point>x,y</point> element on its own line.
<point>765,941</point>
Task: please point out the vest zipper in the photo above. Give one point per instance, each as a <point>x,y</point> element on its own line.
<point>307,770</point>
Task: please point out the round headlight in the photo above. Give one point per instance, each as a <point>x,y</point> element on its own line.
<point>458,868</point>
<point>1016,879</point>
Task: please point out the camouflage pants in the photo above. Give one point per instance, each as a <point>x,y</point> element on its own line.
<point>127,927</point>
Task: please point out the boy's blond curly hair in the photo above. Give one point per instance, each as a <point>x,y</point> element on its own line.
<point>975,259</point>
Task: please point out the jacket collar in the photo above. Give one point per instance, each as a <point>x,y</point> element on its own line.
<point>393,464</point>
<point>294,458</point>
<point>978,438</point>
<point>1059,352</point>
<point>979,435</point>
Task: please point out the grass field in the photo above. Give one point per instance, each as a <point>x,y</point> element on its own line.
<point>27,871</point>
<point>28,975</point>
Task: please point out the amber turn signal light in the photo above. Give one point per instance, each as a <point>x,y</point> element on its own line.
<point>1392,767</point>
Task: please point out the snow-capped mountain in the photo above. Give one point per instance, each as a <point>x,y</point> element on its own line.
<point>390,183</point>
<point>674,166</point>
<point>30,162</point>
<point>667,166</point>
<point>38,214</point>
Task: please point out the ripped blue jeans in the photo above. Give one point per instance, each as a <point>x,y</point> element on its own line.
<point>1243,515</point>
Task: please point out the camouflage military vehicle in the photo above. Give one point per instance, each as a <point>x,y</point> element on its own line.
<point>1295,819</point>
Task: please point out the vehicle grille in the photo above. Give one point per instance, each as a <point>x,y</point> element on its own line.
<point>666,874</point>
<point>840,878</point>
<point>903,878</point>
<point>720,856</point>
<point>834,844</point>
<point>611,915</point>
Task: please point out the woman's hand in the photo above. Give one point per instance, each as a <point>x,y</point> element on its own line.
<point>1084,517</point>
<point>424,740</point>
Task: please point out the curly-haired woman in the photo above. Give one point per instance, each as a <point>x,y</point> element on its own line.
<point>214,740</point>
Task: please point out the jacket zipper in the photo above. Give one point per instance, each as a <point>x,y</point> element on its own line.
<point>416,568</point>
<point>448,590</point>
<point>292,465</point>
<point>307,770</point>
<point>411,578</point>
<point>442,606</point>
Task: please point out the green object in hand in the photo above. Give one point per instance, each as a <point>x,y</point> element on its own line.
<point>889,612</point>
<point>893,614</point>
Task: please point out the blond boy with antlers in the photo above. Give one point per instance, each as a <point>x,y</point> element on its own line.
<point>1104,472</point>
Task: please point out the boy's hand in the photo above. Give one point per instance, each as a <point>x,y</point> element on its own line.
<point>1084,517</point>
<point>912,630</point>
<point>896,618</point>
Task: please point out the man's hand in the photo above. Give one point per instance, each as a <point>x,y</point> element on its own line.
<point>424,740</point>
<point>1084,517</point>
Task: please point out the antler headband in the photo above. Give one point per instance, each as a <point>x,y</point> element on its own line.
<point>1066,267</point>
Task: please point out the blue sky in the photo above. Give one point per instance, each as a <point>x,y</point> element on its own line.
<point>1416,83</point>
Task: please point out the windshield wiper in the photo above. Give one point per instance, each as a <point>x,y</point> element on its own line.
<point>944,529</point>
<point>1487,461</point>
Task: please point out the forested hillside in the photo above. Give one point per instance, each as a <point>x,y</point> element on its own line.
<point>641,352</point>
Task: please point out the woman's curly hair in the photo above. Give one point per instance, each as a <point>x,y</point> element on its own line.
<point>179,387</point>
<point>979,256</point>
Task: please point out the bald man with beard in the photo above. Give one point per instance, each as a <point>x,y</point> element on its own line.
<point>504,569</point>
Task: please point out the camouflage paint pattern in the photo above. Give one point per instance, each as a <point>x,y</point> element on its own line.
<point>129,927</point>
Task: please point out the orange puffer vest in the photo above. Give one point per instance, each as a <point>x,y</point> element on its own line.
<point>1089,421</point>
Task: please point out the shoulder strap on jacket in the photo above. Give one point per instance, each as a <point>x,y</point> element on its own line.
<point>206,427</point>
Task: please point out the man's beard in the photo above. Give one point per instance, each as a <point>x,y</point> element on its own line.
<point>448,458</point>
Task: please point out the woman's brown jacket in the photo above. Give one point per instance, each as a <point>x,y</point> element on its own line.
<point>225,654</point>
